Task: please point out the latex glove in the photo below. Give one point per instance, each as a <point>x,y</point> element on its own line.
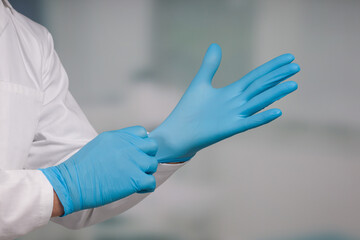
<point>112,166</point>
<point>206,115</point>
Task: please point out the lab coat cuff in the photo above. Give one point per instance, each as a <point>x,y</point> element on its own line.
<point>46,199</point>
<point>170,167</point>
<point>165,170</point>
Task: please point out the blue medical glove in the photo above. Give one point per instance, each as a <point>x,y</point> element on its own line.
<point>112,166</point>
<point>206,115</point>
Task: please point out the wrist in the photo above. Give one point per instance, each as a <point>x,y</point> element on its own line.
<point>58,209</point>
<point>169,149</point>
<point>56,179</point>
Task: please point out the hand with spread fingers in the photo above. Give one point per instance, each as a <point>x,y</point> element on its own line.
<point>206,115</point>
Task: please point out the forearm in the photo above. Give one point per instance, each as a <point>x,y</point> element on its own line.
<point>25,202</point>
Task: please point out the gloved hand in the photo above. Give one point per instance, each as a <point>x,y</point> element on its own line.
<point>206,115</point>
<point>112,166</point>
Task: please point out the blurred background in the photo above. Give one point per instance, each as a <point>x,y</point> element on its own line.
<point>130,61</point>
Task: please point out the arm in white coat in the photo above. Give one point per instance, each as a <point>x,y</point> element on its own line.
<point>25,195</point>
<point>62,130</point>
<point>41,126</point>
<point>26,198</point>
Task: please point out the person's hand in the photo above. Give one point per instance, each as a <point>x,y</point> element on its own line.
<point>206,115</point>
<point>112,166</point>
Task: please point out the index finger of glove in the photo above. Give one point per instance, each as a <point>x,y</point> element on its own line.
<point>135,130</point>
<point>147,145</point>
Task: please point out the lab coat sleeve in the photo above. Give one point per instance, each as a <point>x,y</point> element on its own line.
<point>63,129</point>
<point>25,202</point>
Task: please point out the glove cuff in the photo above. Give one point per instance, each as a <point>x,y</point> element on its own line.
<point>175,160</point>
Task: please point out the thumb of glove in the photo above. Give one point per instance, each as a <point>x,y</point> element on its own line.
<point>209,66</point>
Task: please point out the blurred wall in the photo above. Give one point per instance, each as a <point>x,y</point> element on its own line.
<point>129,63</point>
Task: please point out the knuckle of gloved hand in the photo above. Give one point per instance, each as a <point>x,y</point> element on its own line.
<point>137,183</point>
<point>151,183</point>
<point>146,183</point>
<point>153,165</point>
<point>152,145</point>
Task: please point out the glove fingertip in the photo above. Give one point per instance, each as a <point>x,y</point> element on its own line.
<point>213,57</point>
<point>288,56</point>
<point>291,86</point>
<point>275,112</point>
<point>295,67</point>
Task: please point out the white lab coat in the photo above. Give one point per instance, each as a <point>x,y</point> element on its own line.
<point>41,125</point>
